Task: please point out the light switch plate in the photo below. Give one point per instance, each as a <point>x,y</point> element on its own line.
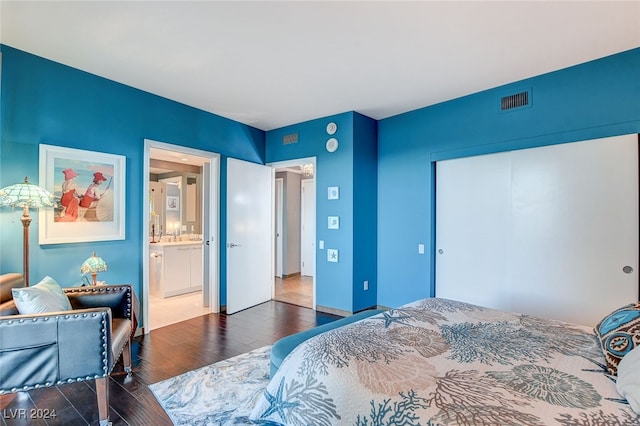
<point>332,255</point>
<point>420,248</point>
<point>321,244</point>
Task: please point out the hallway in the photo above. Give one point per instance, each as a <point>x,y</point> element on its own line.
<point>297,290</point>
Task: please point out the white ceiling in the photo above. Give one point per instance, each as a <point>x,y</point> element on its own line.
<point>173,157</point>
<point>270,64</point>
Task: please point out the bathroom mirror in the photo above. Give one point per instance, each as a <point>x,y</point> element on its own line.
<point>173,205</point>
<point>175,191</point>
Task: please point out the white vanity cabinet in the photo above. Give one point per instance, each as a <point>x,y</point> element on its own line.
<point>196,268</point>
<point>175,268</point>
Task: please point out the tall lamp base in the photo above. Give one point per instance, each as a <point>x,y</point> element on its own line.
<point>26,221</point>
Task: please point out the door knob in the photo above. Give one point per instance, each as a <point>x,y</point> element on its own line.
<point>232,245</point>
<point>627,269</point>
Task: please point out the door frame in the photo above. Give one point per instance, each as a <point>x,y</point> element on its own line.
<point>211,199</point>
<point>304,212</point>
<point>300,162</point>
<point>279,220</point>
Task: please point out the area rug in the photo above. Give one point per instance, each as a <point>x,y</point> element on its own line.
<point>223,393</point>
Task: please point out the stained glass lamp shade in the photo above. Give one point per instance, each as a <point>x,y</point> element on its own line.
<point>92,266</point>
<point>26,195</point>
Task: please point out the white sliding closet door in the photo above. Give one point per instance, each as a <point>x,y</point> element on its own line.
<point>473,225</point>
<point>545,231</point>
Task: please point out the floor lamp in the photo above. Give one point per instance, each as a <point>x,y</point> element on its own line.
<point>26,195</point>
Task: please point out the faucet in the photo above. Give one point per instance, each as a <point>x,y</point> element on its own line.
<point>153,232</point>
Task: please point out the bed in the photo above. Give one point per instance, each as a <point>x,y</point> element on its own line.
<point>442,362</point>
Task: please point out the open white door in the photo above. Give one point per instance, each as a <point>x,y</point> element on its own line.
<point>249,234</point>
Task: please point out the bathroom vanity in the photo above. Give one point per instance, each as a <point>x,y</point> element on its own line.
<point>175,267</point>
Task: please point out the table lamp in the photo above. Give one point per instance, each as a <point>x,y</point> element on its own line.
<point>92,266</point>
<point>26,195</point>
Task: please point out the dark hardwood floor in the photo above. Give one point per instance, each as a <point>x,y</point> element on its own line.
<point>163,353</point>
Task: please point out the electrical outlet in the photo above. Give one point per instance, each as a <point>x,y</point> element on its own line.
<point>366,285</point>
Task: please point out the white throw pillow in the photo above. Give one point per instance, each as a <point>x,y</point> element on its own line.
<point>46,296</point>
<point>628,382</point>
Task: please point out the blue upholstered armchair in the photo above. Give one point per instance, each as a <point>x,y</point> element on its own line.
<point>54,348</point>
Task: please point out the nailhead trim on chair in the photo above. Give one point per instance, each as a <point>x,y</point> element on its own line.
<point>105,358</point>
<point>105,353</point>
<point>111,288</point>
<point>128,313</point>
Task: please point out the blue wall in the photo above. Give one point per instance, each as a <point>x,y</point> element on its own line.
<point>46,102</point>
<point>592,100</point>
<point>365,212</point>
<point>336,282</point>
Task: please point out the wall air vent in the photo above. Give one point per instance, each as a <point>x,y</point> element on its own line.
<point>517,100</point>
<point>288,139</point>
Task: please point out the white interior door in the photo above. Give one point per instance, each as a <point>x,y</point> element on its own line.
<point>546,231</point>
<point>279,210</point>
<point>575,228</point>
<point>308,227</point>
<point>473,215</point>
<point>249,234</point>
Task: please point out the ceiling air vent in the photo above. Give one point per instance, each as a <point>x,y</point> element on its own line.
<point>288,139</point>
<point>518,100</point>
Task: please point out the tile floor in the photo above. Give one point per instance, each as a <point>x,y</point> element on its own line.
<point>163,312</point>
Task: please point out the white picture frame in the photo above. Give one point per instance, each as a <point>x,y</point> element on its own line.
<point>332,255</point>
<point>81,216</point>
<point>333,222</point>
<point>333,193</point>
<point>173,203</point>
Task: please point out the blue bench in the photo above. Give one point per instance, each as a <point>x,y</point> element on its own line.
<point>284,346</point>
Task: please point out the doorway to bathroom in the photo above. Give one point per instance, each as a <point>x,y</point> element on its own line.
<point>180,268</point>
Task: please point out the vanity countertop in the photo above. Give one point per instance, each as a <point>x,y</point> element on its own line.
<point>176,243</point>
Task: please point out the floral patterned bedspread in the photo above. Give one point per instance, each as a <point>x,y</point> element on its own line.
<point>441,362</point>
